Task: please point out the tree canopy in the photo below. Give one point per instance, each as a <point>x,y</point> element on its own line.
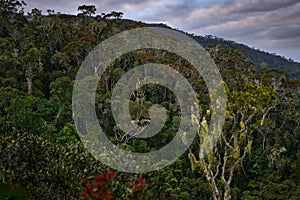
<point>257,156</point>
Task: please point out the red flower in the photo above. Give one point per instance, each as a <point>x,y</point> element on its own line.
<point>140,184</point>
<point>83,194</point>
<point>84,182</point>
<point>100,178</point>
<point>111,173</point>
<point>90,188</point>
<point>129,185</point>
<point>140,181</point>
<point>100,188</point>
<point>95,196</point>
<point>105,177</point>
<point>108,196</point>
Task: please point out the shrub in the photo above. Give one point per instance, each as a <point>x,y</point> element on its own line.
<point>44,169</point>
<point>106,186</point>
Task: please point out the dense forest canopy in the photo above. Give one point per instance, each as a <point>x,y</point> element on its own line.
<point>42,157</point>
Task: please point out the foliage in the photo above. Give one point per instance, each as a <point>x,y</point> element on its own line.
<point>42,157</point>
<point>44,169</point>
<point>106,186</point>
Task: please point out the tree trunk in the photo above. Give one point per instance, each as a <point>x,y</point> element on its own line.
<point>215,191</point>
<point>227,195</point>
<point>29,85</point>
<point>212,183</point>
<point>29,75</point>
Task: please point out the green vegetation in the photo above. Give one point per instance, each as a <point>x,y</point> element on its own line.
<point>259,58</point>
<point>257,157</point>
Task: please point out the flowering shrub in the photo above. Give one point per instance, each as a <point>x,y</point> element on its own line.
<point>137,189</point>
<point>105,186</point>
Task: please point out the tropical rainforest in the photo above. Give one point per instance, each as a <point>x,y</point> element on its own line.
<point>42,156</point>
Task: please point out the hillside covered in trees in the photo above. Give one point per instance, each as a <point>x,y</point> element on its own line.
<point>42,157</point>
<point>260,59</point>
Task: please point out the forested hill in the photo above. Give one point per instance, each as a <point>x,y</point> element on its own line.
<point>42,156</point>
<point>258,57</point>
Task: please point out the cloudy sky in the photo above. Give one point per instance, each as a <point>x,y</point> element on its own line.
<point>270,25</point>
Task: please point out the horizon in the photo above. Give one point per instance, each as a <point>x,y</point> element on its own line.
<point>269,26</point>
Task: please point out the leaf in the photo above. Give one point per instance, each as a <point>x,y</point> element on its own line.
<point>194,162</point>
<point>249,145</point>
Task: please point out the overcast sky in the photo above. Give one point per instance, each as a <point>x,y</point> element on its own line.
<point>270,25</point>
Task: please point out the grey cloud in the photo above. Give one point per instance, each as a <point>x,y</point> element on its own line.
<point>284,32</point>
<point>263,5</point>
<point>274,30</point>
<point>63,6</point>
<point>238,24</point>
<point>133,2</point>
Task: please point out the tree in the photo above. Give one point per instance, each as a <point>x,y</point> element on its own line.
<point>61,94</point>
<point>117,15</point>
<point>11,16</point>
<point>29,114</point>
<point>36,14</point>
<point>246,110</point>
<point>6,96</point>
<point>7,6</point>
<point>32,63</point>
<point>249,102</point>
<point>87,10</point>
<point>50,12</point>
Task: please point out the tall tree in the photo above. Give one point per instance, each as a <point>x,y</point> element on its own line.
<point>246,110</point>
<point>249,102</point>
<point>32,63</point>
<point>87,9</point>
